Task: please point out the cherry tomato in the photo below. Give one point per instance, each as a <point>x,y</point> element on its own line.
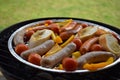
<point>69,64</point>
<point>20,48</point>
<point>96,47</point>
<point>48,22</point>
<point>78,43</point>
<point>34,58</point>
<point>28,34</point>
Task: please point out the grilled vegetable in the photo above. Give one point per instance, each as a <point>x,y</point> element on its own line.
<point>39,37</point>
<point>110,43</point>
<point>68,41</point>
<point>87,33</point>
<point>53,50</point>
<point>94,57</point>
<point>76,54</point>
<point>95,66</point>
<point>58,39</point>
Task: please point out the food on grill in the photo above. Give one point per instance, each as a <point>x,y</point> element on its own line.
<point>101,32</point>
<point>95,66</point>
<point>66,34</point>
<point>110,43</point>
<point>86,46</point>
<point>39,37</point>
<point>96,47</point>
<point>52,60</point>
<point>28,34</point>
<point>87,32</point>
<point>47,22</point>
<point>58,39</point>
<point>69,64</point>
<point>67,41</point>
<point>78,42</point>
<point>69,26</point>
<point>21,48</point>
<point>53,50</point>
<point>34,58</point>
<point>41,49</point>
<point>19,37</point>
<point>94,57</point>
<point>76,54</point>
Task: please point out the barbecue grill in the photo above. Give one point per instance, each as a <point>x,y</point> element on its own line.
<point>13,69</point>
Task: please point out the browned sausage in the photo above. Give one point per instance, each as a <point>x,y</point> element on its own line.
<point>68,27</point>
<point>52,60</point>
<point>86,45</point>
<point>65,35</point>
<point>39,28</point>
<point>41,49</point>
<point>19,37</point>
<point>94,57</point>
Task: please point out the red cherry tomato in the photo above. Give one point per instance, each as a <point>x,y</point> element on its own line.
<point>48,22</point>
<point>78,43</point>
<point>28,34</point>
<point>20,48</point>
<point>34,58</point>
<point>69,64</point>
<point>96,47</point>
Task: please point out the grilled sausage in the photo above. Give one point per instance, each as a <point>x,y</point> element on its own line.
<point>41,27</point>
<point>87,44</point>
<point>19,37</point>
<point>41,49</point>
<point>66,34</point>
<point>70,26</point>
<point>94,57</point>
<point>52,60</point>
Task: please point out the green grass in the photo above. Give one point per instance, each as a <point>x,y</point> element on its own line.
<point>14,11</point>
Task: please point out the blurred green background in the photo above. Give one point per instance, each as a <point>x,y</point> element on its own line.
<point>14,11</point>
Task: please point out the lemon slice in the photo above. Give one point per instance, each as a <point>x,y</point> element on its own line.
<point>87,33</point>
<point>110,43</point>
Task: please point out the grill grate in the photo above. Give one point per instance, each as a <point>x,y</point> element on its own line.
<point>12,67</point>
